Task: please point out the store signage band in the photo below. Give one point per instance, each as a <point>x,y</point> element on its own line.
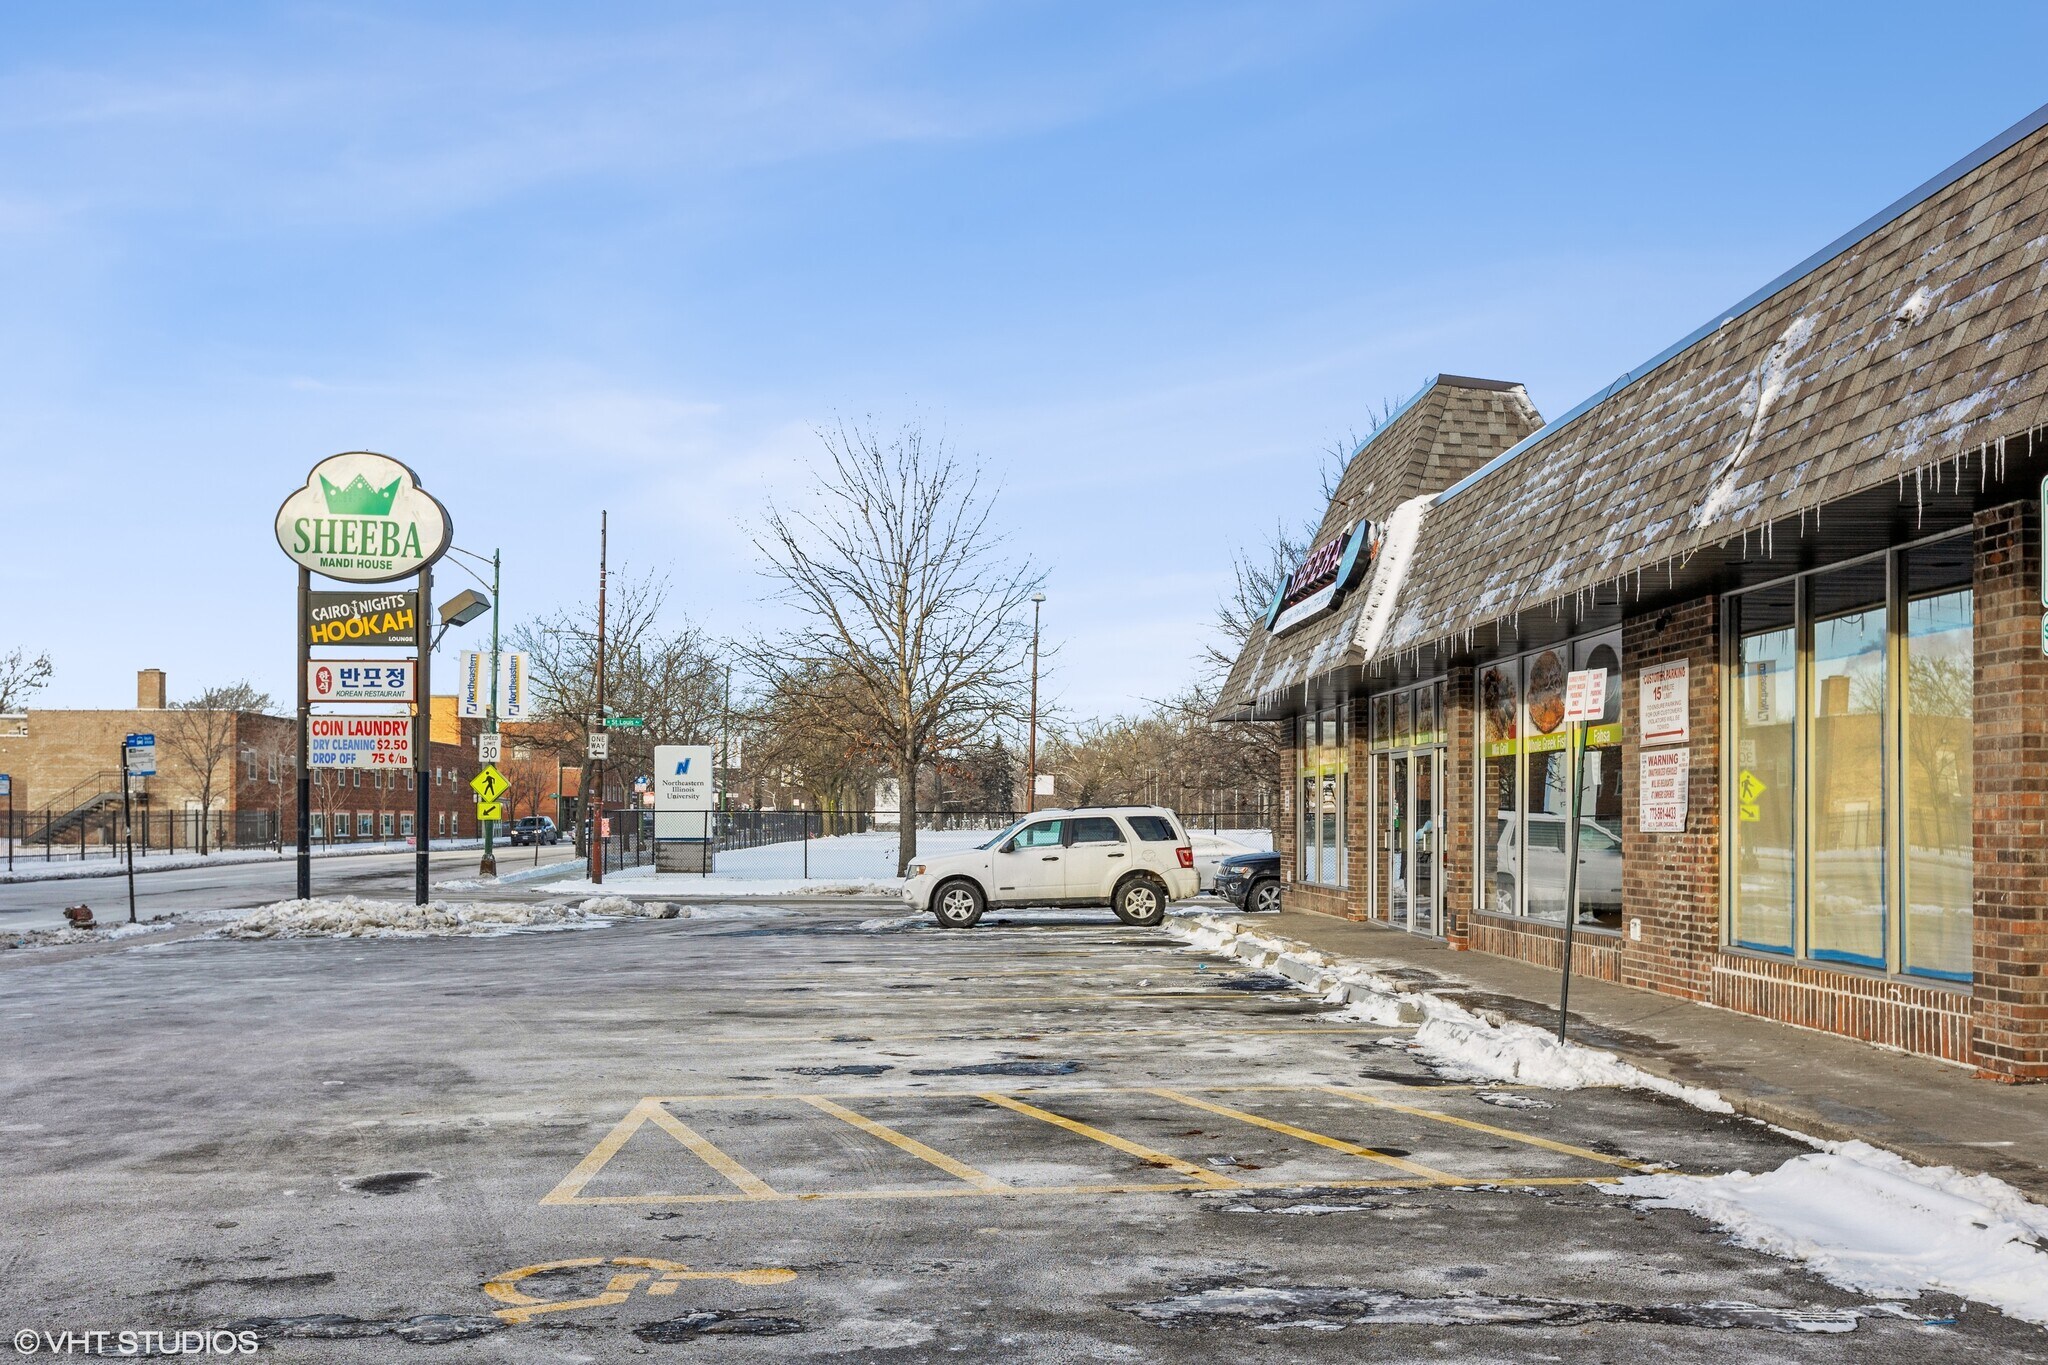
<point>363,518</point>
<point>360,680</point>
<point>362,618</point>
<point>1325,574</point>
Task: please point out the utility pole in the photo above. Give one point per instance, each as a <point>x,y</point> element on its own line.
<point>302,647</point>
<point>489,866</point>
<point>596,808</point>
<point>1031,785</point>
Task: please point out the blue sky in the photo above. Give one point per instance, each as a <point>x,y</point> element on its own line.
<point>1147,261</point>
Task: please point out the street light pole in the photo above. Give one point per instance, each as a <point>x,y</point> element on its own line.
<point>489,866</point>
<point>1031,792</point>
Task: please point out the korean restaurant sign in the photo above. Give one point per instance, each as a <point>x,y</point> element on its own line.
<point>362,618</point>
<point>363,518</point>
<point>359,680</point>
<point>1324,575</point>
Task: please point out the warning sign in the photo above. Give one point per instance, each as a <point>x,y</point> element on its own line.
<point>1748,788</point>
<point>1666,775</point>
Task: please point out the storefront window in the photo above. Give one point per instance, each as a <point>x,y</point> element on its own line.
<point>1765,671</point>
<point>1845,707</point>
<point>1499,844</point>
<point>1324,782</point>
<point>1851,813</point>
<point>1936,732</point>
<point>1600,794</point>
<point>1546,784</point>
<point>1525,756</point>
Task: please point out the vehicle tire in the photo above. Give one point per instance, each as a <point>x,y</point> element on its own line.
<point>1264,896</point>
<point>1140,900</point>
<point>958,905</point>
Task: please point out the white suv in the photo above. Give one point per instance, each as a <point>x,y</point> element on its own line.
<point>1133,859</point>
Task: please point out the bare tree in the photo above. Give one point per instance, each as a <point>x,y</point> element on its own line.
<point>200,734</point>
<point>22,675</point>
<point>899,571</point>
<point>673,679</point>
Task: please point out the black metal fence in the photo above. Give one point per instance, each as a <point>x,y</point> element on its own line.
<point>57,836</point>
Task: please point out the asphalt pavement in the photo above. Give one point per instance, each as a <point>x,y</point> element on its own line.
<point>791,1132</point>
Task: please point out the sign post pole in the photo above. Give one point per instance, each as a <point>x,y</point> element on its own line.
<point>422,745</point>
<point>1585,699</point>
<point>305,654</point>
<point>593,801</point>
<point>128,832</point>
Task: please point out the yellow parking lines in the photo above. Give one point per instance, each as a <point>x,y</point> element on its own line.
<point>1138,1150</point>
<point>972,1180</point>
<point>959,1170</point>
<point>643,1113</point>
<point>1528,1139</point>
<point>1415,1168</point>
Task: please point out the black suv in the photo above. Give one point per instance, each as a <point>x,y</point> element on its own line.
<point>1250,881</point>
<point>534,829</point>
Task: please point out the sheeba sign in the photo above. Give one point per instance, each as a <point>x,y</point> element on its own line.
<point>363,518</point>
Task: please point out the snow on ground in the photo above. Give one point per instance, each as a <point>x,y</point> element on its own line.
<point>65,937</point>
<point>1875,1223</point>
<point>1863,1218</point>
<point>355,917</point>
<point>1451,1037</point>
<point>29,867</point>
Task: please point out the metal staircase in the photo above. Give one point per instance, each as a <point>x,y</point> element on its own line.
<point>81,803</point>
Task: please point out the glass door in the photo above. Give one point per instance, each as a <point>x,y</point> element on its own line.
<point>1394,838</point>
<point>1424,880</point>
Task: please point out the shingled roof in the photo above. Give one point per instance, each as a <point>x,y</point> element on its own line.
<point>1889,354</point>
<point>1451,427</point>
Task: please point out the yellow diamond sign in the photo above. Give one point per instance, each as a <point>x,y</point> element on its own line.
<point>1749,787</point>
<point>489,785</point>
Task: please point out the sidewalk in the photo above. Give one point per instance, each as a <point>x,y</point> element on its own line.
<point>1933,1113</point>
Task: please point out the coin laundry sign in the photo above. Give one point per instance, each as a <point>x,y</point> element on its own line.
<point>363,518</point>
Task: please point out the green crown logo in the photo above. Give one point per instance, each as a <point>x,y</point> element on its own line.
<point>358,499</point>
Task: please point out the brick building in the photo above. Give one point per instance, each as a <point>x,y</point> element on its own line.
<point>66,771</point>
<point>1805,545</point>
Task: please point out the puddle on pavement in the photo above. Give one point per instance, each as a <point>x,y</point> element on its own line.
<point>425,1329</point>
<point>1320,1308</point>
<point>1252,982</point>
<point>851,1069</point>
<point>390,1182</point>
<point>714,1323</point>
<point>1004,1069</point>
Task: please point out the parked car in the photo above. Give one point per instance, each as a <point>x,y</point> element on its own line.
<point>1133,859</point>
<point>1251,881</point>
<point>534,829</point>
<point>1210,851</point>
<point>1543,867</point>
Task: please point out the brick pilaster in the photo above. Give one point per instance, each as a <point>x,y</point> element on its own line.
<point>1460,786</point>
<point>2009,1000</point>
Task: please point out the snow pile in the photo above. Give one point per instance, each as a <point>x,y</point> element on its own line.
<point>1759,396</point>
<point>65,937</point>
<point>1453,1038</point>
<point>1872,1222</point>
<point>354,917</point>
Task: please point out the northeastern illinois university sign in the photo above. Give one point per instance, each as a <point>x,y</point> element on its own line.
<point>363,518</point>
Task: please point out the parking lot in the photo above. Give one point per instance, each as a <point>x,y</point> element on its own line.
<point>792,1132</point>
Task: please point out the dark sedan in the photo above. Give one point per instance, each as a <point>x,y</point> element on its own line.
<point>1250,881</point>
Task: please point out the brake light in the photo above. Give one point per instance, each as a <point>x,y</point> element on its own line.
<point>1187,855</point>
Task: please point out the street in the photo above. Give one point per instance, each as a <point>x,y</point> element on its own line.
<point>832,1129</point>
